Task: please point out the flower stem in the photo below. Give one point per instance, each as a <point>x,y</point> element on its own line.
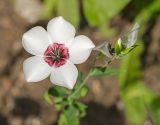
<point>82,84</point>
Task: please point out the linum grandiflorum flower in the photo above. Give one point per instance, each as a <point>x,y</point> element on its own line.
<point>55,53</point>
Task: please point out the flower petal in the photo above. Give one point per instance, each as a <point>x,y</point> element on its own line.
<point>80,49</point>
<point>35,41</point>
<point>35,69</point>
<point>60,30</point>
<point>65,75</point>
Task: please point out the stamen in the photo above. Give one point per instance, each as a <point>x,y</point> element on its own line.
<point>56,55</point>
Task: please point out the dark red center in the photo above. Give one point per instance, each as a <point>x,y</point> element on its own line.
<point>56,55</point>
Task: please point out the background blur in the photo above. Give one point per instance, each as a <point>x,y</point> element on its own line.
<point>132,98</point>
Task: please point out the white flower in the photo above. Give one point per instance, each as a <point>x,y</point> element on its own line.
<point>55,52</point>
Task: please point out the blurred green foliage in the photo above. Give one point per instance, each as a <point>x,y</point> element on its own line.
<point>134,94</point>
<point>140,102</point>
<point>98,13</point>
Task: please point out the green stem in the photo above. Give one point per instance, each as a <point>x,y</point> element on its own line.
<point>82,84</point>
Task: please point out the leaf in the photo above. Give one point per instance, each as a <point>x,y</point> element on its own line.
<point>69,116</point>
<point>58,91</point>
<point>100,71</point>
<point>69,10</point>
<point>127,51</point>
<point>82,108</point>
<point>62,120</point>
<point>58,95</point>
<point>48,98</point>
<point>79,93</point>
<point>60,103</point>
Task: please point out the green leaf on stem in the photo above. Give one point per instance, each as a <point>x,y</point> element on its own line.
<point>81,92</point>
<point>58,96</point>
<point>48,98</point>
<point>58,91</point>
<point>61,102</point>
<point>101,71</point>
<point>126,51</point>
<point>82,108</point>
<point>62,120</point>
<point>70,116</point>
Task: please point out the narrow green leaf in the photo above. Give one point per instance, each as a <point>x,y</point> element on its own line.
<point>82,108</point>
<point>58,91</point>
<point>48,98</point>
<point>80,93</point>
<point>62,120</point>
<point>61,102</point>
<point>69,116</point>
<point>126,51</point>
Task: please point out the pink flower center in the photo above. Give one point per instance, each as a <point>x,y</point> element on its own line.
<point>56,55</point>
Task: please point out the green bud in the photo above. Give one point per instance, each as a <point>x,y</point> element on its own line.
<point>118,46</point>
